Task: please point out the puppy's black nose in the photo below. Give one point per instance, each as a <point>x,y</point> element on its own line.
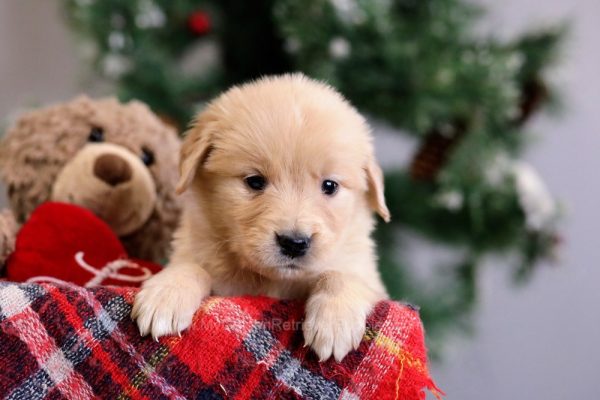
<point>293,245</point>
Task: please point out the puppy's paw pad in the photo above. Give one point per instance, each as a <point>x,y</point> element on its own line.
<point>162,309</point>
<point>333,327</point>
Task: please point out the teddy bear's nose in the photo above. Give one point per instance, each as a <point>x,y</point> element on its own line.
<point>112,169</point>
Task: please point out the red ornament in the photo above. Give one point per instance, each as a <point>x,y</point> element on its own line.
<point>199,23</point>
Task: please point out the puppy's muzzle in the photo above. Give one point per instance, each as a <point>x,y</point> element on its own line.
<point>293,245</point>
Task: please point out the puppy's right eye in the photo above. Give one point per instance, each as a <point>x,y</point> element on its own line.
<point>329,187</point>
<point>256,182</point>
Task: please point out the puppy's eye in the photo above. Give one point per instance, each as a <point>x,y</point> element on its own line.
<point>96,135</point>
<point>256,182</point>
<point>329,187</point>
<point>147,156</point>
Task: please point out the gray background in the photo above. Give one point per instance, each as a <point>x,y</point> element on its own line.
<point>539,341</point>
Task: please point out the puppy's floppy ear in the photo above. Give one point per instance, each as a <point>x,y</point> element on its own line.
<point>195,150</point>
<point>375,194</point>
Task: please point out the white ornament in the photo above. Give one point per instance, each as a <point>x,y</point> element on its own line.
<point>537,203</point>
<point>453,200</point>
<point>115,65</point>
<point>346,9</point>
<point>116,40</point>
<point>150,16</point>
<point>498,170</point>
<point>515,61</point>
<point>344,6</point>
<point>339,48</point>
<point>445,76</point>
<point>292,45</point>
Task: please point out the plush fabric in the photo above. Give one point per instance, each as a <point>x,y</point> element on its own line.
<point>68,243</point>
<point>64,341</point>
<point>37,147</point>
<point>8,233</point>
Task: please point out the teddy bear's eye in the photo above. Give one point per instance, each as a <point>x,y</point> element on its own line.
<point>147,156</point>
<point>96,135</point>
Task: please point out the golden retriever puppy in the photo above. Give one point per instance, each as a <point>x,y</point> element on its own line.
<point>280,182</point>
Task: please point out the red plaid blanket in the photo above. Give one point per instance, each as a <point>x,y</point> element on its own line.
<point>67,342</point>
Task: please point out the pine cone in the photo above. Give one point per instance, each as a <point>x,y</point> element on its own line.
<point>435,150</point>
<point>533,94</point>
<point>439,142</point>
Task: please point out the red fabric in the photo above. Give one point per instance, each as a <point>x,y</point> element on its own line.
<point>69,243</point>
<point>64,341</point>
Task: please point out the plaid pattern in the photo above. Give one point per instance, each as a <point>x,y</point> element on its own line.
<point>67,342</point>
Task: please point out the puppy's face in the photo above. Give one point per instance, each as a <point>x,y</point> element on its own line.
<point>282,168</point>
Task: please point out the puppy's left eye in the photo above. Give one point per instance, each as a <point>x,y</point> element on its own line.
<point>256,182</point>
<point>329,187</point>
<point>147,156</point>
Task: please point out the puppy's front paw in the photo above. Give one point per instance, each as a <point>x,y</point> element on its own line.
<point>167,302</point>
<point>333,325</point>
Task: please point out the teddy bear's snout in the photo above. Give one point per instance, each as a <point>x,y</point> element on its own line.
<point>112,169</point>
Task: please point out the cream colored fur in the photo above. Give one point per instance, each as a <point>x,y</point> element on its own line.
<point>295,132</point>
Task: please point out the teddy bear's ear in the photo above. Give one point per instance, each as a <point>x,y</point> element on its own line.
<point>195,150</point>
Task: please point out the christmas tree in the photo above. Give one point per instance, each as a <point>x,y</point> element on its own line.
<point>415,64</point>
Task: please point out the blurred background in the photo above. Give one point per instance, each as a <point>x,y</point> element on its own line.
<point>485,122</point>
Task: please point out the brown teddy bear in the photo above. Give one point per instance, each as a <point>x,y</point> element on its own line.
<point>117,160</point>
